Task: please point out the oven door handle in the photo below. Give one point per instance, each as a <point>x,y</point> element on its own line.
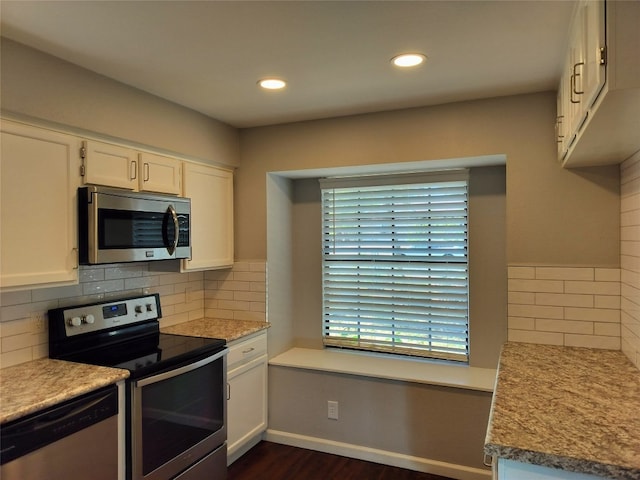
<point>179,371</point>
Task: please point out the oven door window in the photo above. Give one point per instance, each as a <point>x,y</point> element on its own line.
<point>179,413</point>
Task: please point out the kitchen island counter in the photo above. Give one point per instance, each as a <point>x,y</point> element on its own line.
<point>229,330</point>
<point>28,387</point>
<point>570,408</point>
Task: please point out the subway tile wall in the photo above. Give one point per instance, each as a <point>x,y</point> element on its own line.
<point>238,294</point>
<point>574,306</point>
<point>630,257</point>
<point>241,291</point>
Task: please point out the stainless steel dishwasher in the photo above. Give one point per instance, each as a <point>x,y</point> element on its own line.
<point>72,440</point>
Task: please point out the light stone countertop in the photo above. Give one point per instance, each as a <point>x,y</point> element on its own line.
<point>576,409</point>
<point>229,330</point>
<point>32,386</point>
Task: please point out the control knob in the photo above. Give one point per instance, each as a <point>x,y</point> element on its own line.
<point>150,307</point>
<point>138,309</point>
<point>89,319</point>
<point>75,321</point>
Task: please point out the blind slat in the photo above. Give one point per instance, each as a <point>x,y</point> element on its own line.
<point>395,275</point>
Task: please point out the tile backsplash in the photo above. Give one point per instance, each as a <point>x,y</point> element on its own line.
<point>630,257</point>
<point>571,306</point>
<point>239,292</point>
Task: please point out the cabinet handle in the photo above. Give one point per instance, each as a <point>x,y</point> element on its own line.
<point>134,169</point>
<point>487,463</point>
<point>558,124</point>
<point>228,391</point>
<point>575,76</point>
<point>244,352</point>
<point>573,82</point>
<point>146,172</point>
<point>75,249</point>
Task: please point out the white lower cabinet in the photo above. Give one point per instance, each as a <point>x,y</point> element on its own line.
<point>247,394</point>
<point>512,470</point>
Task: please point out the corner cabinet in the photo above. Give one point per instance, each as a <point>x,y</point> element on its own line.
<point>598,103</point>
<point>211,192</point>
<point>122,167</point>
<point>246,394</point>
<point>39,181</point>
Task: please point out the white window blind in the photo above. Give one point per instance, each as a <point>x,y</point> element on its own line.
<point>395,268</point>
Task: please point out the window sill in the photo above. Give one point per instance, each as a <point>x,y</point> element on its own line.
<point>402,369</point>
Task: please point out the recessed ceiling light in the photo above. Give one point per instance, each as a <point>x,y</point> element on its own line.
<point>272,83</point>
<point>408,60</point>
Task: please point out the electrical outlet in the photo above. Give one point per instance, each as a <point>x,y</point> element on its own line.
<point>332,410</point>
<point>37,322</point>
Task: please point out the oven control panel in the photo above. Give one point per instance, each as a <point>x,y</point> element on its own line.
<point>96,317</point>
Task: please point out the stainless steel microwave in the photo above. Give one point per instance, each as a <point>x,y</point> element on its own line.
<point>118,225</point>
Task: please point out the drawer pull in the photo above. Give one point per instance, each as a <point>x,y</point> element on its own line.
<point>244,352</point>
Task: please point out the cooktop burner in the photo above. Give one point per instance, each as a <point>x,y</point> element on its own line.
<point>123,334</point>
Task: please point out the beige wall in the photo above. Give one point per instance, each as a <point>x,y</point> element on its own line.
<point>424,421</point>
<point>554,216</point>
<point>38,87</point>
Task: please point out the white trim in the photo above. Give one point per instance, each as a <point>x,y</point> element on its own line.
<point>418,464</point>
<point>420,176</point>
<point>364,364</point>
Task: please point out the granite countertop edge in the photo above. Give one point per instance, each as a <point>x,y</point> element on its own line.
<point>227,329</point>
<point>511,434</point>
<point>32,386</point>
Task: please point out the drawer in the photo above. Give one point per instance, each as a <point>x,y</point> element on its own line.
<point>245,350</point>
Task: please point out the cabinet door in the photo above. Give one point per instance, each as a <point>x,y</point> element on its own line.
<point>110,165</point>
<point>593,70</point>
<point>211,192</point>
<point>247,404</point>
<point>40,175</point>
<point>160,174</point>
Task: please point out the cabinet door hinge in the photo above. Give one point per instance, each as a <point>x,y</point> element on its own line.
<point>603,55</point>
<point>83,156</point>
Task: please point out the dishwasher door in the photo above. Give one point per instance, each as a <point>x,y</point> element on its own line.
<point>74,440</point>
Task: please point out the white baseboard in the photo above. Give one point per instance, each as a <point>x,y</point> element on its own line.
<point>435,467</point>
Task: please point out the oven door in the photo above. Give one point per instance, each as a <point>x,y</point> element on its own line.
<point>178,417</point>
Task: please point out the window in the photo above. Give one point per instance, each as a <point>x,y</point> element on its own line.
<point>395,269</point>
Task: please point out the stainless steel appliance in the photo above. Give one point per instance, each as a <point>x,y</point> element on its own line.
<point>117,225</point>
<point>79,435</point>
<point>176,395</point>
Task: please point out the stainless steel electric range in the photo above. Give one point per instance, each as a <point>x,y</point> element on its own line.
<point>176,394</point>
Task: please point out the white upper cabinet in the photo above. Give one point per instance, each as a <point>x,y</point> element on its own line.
<point>110,165</point>
<point>599,93</point>
<point>160,174</point>
<point>211,192</point>
<point>38,191</point>
<point>122,167</point>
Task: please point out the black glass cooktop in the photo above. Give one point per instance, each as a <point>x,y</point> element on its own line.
<point>151,354</point>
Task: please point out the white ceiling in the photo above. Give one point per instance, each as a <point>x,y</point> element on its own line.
<point>208,55</point>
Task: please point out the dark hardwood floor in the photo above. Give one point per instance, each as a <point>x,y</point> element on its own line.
<point>272,461</point>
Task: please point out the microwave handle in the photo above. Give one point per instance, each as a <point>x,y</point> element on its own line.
<point>176,228</point>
